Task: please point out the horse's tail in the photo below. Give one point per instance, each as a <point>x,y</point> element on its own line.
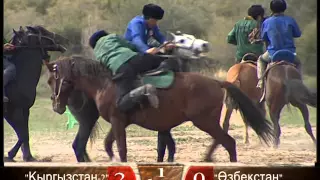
<point>94,133</point>
<point>296,90</point>
<point>250,112</point>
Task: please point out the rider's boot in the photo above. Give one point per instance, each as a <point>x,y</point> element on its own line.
<point>136,96</point>
<point>261,67</point>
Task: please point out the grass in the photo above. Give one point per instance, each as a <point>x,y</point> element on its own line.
<point>47,124</point>
<point>44,120</point>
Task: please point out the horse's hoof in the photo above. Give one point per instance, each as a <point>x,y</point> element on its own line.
<point>170,160</point>
<point>114,159</point>
<point>208,159</point>
<point>233,160</point>
<point>30,159</point>
<point>160,160</point>
<point>8,159</point>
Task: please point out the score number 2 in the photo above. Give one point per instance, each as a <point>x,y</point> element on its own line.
<point>121,174</point>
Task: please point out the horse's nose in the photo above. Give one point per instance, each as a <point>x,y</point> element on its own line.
<point>205,46</point>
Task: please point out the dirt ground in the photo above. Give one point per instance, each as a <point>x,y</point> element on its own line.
<point>296,147</point>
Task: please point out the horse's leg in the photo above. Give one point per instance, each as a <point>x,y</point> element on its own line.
<point>108,141</point>
<point>165,139</point>
<point>13,152</point>
<point>305,113</point>
<point>262,107</point>
<point>246,134</point>
<point>80,142</point>
<point>226,121</point>
<point>171,147</point>
<point>26,146</point>
<point>161,145</point>
<point>19,122</point>
<point>87,114</point>
<point>212,127</point>
<point>119,131</point>
<point>274,112</point>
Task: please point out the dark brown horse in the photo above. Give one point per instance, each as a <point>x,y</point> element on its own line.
<point>191,97</point>
<point>284,86</point>
<point>244,76</point>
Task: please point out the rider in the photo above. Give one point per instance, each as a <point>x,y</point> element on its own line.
<point>143,31</point>
<point>9,69</point>
<point>239,34</point>
<point>278,31</point>
<point>124,60</point>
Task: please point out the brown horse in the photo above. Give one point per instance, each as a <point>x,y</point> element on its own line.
<point>191,97</point>
<point>284,86</point>
<point>244,76</point>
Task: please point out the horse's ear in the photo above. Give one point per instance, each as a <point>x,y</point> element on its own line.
<point>32,29</point>
<point>170,36</point>
<point>50,66</point>
<point>14,32</point>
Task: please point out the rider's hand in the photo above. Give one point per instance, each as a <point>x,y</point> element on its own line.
<point>8,47</point>
<point>170,46</point>
<point>152,50</point>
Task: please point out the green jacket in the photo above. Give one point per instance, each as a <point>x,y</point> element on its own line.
<point>4,40</point>
<point>239,37</point>
<point>113,51</point>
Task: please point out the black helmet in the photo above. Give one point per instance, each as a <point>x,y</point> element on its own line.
<point>152,11</point>
<point>96,36</point>
<point>278,6</point>
<point>255,11</point>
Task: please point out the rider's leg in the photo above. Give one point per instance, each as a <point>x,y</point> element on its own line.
<point>138,64</point>
<point>261,67</point>
<point>9,73</point>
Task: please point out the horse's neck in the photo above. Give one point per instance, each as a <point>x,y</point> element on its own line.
<point>90,86</point>
<point>28,66</point>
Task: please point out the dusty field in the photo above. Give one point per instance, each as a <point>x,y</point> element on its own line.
<point>296,147</point>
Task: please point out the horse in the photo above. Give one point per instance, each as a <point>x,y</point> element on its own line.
<point>31,48</point>
<point>244,76</point>
<point>186,97</point>
<point>284,86</point>
<point>188,48</point>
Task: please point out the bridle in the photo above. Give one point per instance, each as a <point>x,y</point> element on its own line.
<point>58,86</point>
<point>40,38</point>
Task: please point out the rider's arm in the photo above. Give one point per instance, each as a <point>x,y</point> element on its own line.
<point>264,32</point>
<point>231,38</point>
<point>159,36</point>
<point>295,28</point>
<point>137,34</point>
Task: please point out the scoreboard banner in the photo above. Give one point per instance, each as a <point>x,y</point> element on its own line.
<point>160,172</point>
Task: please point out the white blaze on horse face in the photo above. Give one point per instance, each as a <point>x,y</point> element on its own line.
<point>187,41</point>
<point>201,46</point>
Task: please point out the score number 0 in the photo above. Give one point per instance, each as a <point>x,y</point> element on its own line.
<point>195,177</point>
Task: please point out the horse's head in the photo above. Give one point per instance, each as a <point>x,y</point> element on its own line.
<point>189,46</point>
<point>36,37</point>
<point>60,83</point>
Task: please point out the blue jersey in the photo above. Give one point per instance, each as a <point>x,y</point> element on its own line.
<point>279,32</point>
<point>137,33</point>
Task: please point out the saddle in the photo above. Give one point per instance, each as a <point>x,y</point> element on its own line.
<point>281,57</point>
<point>250,58</point>
<point>164,67</point>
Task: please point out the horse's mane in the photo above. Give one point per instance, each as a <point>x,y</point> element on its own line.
<point>77,65</point>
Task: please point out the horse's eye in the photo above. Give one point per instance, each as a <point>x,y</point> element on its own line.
<point>181,41</point>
